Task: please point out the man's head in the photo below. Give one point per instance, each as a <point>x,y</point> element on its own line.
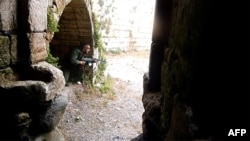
<point>85,47</point>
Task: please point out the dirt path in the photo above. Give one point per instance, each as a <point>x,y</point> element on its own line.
<point>91,117</point>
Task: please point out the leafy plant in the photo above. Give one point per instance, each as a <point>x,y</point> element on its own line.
<point>52,24</point>
<point>99,44</point>
<point>107,88</point>
<point>51,59</point>
<point>106,83</point>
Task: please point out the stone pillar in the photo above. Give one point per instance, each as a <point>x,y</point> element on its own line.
<point>151,98</point>
<point>152,95</point>
<point>8,24</point>
<point>159,43</point>
<point>155,62</point>
<point>151,117</point>
<point>38,24</point>
<point>32,25</point>
<point>31,89</point>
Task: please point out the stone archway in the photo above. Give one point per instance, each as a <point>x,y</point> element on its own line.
<point>75,26</point>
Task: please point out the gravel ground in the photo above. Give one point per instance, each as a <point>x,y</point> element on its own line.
<point>93,117</point>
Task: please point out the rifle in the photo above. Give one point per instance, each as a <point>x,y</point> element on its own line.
<point>89,61</point>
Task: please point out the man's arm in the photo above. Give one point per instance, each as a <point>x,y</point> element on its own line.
<point>74,57</point>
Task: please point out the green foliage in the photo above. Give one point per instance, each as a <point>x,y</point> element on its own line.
<point>107,87</point>
<point>99,44</point>
<point>52,24</point>
<point>100,72</point>
<point>51,59</point>
<point>103,89</point>
<point>87,78</point>
<point>97,34</point>
<point>104,24</point>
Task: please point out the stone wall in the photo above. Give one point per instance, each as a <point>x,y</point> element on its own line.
<point>8,41</point>
<point>31,89</point>
<point>191,54</point>
<point>125,24</point>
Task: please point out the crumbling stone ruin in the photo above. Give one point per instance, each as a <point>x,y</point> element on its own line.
<point>191,89</point>
<point>183,97</point>
<point>32,102</point>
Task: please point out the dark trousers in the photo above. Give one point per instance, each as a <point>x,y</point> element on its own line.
<point>74,73</point>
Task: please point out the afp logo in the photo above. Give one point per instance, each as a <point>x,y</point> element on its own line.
<point>237,132</point>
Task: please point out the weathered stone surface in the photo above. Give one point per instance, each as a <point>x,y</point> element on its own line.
<point>29,88</point>
<point>68,16</point>
<point>4,51</point>
<point>7,75</point>
<point>54,135</point>
<point>57,109</point>
<point>45,80</point>
<point>13,49</point>
<point>37,44</point>
<point>40,56</point>
<point>72,37</point>
<point>37,15</point>
<point>38,93</point>
<point>151,117</point>
<point>82,24</point>
<point>155,63</point>
<point>48,120</point>
<point>34,89</point>
<point>58,5</point>
<point>57,83</point>
<point>8,15</point>
<point>181,126</point>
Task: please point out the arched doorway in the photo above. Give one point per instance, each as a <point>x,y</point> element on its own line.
<point>75,26</point>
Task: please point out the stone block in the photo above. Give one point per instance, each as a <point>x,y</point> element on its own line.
<point>39,56</point>
<point>68,21</point>
<point>83,24</point>
<point>76,43</point>
<point>4,51</point>
<point>80,16</point>
<point>70,26</point>
<point>68,9</point>
<point>152,114</point>
<point>49,119</point>
<point>83,30</point>
<point>37,17</point>
<point>7,75</point>
<point>69,37</point>
<point>78,4</point>
<point>37,43</point>
<point>68,16</point>
<point>8,15</point>
<point>13,49</point>
<point>79,11</point>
